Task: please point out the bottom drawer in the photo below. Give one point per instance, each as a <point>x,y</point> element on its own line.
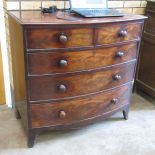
<point>75,110</point>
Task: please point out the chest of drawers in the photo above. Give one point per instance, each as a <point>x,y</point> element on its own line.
<point>71,73</point>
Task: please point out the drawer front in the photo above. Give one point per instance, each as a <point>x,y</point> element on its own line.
<point>46,38</point>
<point>75,110</point>
<point>59,87</point>
<point>114,33</point>
<point>61,62</point>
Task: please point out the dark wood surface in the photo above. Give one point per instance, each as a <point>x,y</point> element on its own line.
<point>106,34</point>
<point>50,114</point>
<point>77,70</point>
<point>145,80</point>
<point>79,37</point>
<point>51,62</point>
<point>51,38</point>
<point>147,64</point>
<point>28,18</point>
<point>47,87</point>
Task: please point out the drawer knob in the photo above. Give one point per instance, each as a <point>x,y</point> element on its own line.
<point>63,38</point>
<point>63,63</point>
<point>62,88</point>
<point>62,114</point>
<point>123,33</point>
<point>119,54</point>
<point>117,77</point>
<point>114,100</point>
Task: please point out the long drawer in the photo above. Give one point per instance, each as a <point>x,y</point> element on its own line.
<point>75,110</point>
<point>62,62</point>
<point>70,85</point>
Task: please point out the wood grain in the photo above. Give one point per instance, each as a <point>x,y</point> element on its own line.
<point>49,62</point>
<point>107,34</point>
<point>78,109</point>
<point>28,18</point>
<point>85,90</point>
<point>47,87</point>
<point>76,37</point>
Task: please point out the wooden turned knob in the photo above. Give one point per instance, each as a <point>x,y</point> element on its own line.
<point>62,114</point>
<point>114,100</point>
<point>123,33</point>
<point>63,63</point>
<point>119,54</point>
<point>62,88</point>
<point>63,38</point>
<point>117,77</point>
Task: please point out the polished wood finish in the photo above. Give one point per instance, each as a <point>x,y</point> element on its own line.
<point>50,62</point>
<point>28,18</point>
<point>47,114</point>
<point>76,70</point>
<point>107,34</point>
<point>47,87</point>
<point>75,37</point>
<point>52,38</point>
<point>145,80</point>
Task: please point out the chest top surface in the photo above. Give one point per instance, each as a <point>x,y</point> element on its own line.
<point>60,18</point>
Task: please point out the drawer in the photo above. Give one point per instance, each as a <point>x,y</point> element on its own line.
<point>114,33</point>
<point>75,110</point>
<point>71,85</point>
<point>47,38</point>
<point>62,62</point>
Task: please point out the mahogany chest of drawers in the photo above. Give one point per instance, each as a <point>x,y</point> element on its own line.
<point>69,73</point>
<point>145,79</point>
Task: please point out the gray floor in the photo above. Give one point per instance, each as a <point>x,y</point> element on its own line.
<point>114,136</point>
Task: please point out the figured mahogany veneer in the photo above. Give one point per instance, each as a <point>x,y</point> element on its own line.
<point>47,87</point>
<point>75,72</point>
<point>78,37</point>
<point>53,38</point>
<point>54,62</point>
<point>117,33</point>
<point>47,114</point>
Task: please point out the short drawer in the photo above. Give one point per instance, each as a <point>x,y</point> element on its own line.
<point>71,85</point>
<point>114,33</point>
<point>48,38</point>
<point>75,110</point>
<point>62,62</point>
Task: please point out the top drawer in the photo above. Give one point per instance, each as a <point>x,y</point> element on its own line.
<point>47,38</point>
<point>55,38</point>
<point>114,33</point>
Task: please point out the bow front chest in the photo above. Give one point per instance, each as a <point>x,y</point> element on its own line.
<point>71,71</point>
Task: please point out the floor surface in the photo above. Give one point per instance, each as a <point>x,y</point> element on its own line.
<point>115,136</point>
